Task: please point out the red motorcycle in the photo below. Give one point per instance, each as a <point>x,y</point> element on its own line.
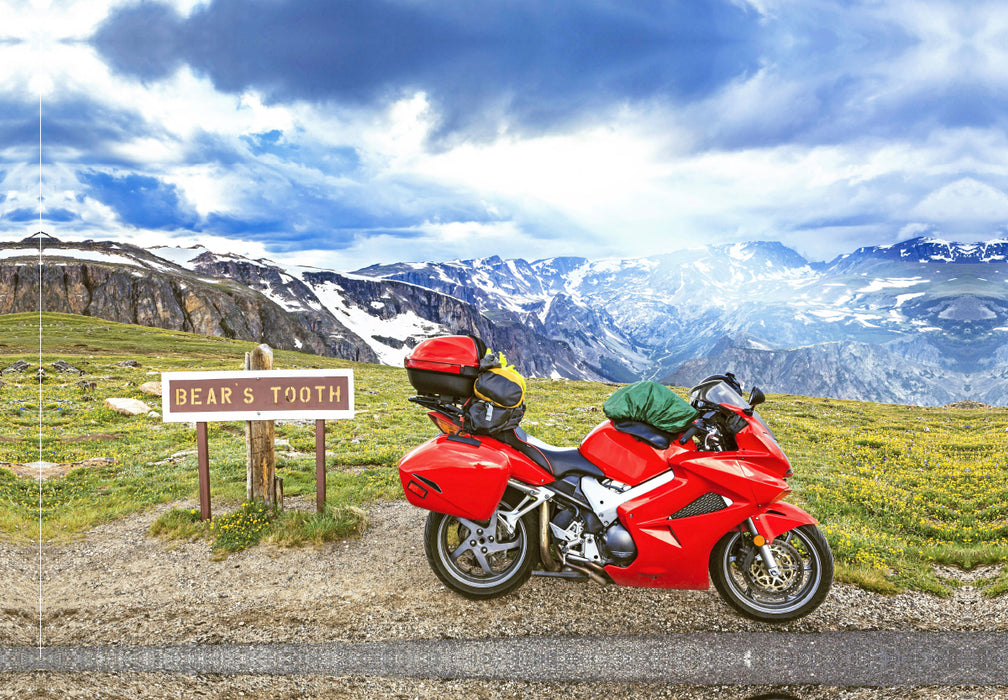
<point>633,505</point>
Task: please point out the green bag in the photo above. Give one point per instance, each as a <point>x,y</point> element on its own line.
<point>651,403</point>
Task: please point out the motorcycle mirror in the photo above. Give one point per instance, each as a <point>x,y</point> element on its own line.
<point>756,397</point>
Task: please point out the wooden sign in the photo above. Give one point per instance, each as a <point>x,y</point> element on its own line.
<point>263,395</point>
<point>317,394</point>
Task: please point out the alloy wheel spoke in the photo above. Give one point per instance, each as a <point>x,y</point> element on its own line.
<point>481,541</point>
<point>499,546</point>
<point>482,560</point>
<point>460,550</point>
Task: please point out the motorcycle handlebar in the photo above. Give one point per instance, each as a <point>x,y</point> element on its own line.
<point>699,425</point>
<point>688,435</point>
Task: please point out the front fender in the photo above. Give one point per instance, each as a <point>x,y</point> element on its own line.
<point>780,517</point>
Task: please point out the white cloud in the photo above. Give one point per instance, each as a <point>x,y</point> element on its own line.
<point>964,202</point>
<point>639,178</point>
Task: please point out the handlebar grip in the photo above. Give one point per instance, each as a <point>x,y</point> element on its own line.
<point>688,435</point>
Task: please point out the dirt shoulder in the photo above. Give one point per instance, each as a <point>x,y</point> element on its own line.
<point>119,586</point>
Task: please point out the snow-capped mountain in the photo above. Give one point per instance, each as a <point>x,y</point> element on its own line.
<point>289,307</point>
<point>923,321</point>
<point>936,311</point>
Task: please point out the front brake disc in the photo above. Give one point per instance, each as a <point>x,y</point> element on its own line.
<point>788,564</point>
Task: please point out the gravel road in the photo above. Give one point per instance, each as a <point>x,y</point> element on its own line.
<point>119,586</point>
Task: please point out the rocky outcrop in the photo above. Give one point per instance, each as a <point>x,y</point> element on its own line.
<point>172,301</point>
<point>234,297</point>
<point>127,407</point>
<point>533,353</point>
<point>387,300</point>
<point>858,371</point>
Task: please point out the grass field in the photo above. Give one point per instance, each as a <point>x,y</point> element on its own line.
<point>896,488</point>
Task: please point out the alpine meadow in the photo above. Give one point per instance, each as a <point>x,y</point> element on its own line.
<point>901,492</point>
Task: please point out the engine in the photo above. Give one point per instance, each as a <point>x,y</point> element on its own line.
<point>582,538</point>
<point>619,544</point>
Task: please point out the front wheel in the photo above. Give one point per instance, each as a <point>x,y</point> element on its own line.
<point>480,559</point>
<point>805,573</point>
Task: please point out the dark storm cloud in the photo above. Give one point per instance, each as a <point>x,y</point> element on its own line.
<point>83,129</point>
<point>249,227</point>
<point>289,214</point>
<point>19,125</point>
<point>535,63</point>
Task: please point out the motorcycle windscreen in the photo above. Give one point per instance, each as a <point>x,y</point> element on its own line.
<point>456,476</point>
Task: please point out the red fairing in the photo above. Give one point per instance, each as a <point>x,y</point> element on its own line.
<point>625,458</point>
<point>464,477</point>
<point>759,446</point>
<point>673,552</point>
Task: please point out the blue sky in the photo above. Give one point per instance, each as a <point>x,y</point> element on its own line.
<point>344,133</point>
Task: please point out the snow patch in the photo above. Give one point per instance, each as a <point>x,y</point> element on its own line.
<point>739,252</point>
<point>77,254</point>
<point>180,256</point>
<point>907,297</point>
<point>366,326</point>
<point>877,285</point>
<point>829,315</point>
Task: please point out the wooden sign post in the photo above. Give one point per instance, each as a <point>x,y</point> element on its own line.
<point>262,395</point>
<point>260,460</point>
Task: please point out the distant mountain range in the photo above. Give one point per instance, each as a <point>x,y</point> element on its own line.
<point>920,322</point>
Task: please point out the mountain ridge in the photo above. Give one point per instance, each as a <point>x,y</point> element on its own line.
<point>913,318</point>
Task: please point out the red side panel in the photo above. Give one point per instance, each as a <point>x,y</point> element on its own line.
<point>464,477</point>
<point>453,477</point>
<point>624,457</point>
<point>674,552</point>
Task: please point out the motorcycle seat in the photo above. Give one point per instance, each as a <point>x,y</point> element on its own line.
<point>645,432</point>
<point>559,461</point>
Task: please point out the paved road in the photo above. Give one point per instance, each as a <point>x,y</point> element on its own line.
<point>854,658</point>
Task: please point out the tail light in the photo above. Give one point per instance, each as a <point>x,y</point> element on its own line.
<point>445,424</point>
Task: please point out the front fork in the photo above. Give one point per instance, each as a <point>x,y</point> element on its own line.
<point>764,548</point>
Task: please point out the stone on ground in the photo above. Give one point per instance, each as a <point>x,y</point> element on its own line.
<point>128,407</point>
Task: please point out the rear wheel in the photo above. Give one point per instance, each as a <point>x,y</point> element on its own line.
<point>481,559</point>
<point>804,576</point>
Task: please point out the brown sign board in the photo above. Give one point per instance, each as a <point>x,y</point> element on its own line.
<point>319,394</point>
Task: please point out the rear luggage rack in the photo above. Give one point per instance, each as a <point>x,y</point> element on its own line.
<point>438,403</point>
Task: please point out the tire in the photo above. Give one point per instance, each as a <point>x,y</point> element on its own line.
<point>802,554</point>
<point>480,560</point>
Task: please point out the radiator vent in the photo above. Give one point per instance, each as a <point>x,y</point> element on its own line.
<point>708,503</point>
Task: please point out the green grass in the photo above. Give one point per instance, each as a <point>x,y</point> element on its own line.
<point>252,523</point>
<point>896,488</point>
<point>899,488</point>
<point>155,462</point>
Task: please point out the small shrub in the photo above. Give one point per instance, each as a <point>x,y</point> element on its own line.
<point>179,524</point>
<point>296,528</point>
<point>242,528</point>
